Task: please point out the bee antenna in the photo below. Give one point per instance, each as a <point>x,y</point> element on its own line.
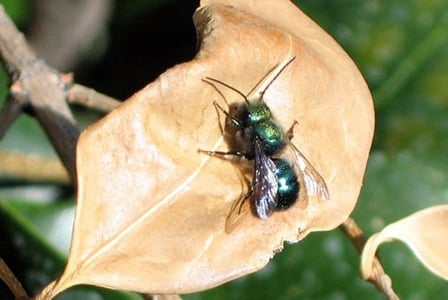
<point>229,87</point>
<point>276,76</point>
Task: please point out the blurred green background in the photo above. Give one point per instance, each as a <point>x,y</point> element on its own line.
<point>399,46</point>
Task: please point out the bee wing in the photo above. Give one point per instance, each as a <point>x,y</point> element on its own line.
<point>264,183</point>
<point>263,189</point>
<point>314,183</point>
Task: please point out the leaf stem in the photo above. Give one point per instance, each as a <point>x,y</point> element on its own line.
<point>11,281</point>
<point>379,278</point>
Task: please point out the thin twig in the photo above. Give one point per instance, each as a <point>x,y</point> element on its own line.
<point>11,281</point>
<point>78,94</point>
<point>34,168</point>
<point>162,297</point>
<point>379,278</point>
<point>85,96</point>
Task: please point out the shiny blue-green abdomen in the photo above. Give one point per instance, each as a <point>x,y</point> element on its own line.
<point>287,183</point>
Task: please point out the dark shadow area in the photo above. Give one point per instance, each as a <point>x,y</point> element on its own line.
<point>148,43</point>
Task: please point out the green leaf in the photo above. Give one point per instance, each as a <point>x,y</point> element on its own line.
<point>18,10</point>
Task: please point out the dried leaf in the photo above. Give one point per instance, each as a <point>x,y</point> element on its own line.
<point>152,211</point>
<point>424,232</point>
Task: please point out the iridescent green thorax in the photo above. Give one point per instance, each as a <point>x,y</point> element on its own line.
<point>259,123</point>
<point>271,136</point>
<point>258,112</point>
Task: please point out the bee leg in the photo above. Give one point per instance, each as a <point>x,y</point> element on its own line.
<point>223,153</point>
<point>248,194</point>
<point>290,132</point>
<point>218,109</point>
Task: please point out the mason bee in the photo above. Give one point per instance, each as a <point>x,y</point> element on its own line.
<point>280,170</point>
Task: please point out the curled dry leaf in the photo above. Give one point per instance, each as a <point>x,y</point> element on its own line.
<point>424,232</point>
<point>152,211</point>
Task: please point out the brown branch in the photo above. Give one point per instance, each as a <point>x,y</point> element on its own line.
<point>42,85</point>
<point>46,92</point>
<point>12,108</point>
<point>379,278</point>
<point>8,114</point>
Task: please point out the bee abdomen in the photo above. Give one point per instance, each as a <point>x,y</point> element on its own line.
<point>288,184</point>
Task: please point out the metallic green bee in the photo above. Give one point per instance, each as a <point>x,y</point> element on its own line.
<point>280,169</point>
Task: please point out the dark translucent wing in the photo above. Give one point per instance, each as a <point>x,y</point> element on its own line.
<point>264,183</point>
<point>314,183</point>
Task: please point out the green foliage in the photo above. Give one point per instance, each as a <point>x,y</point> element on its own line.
<point>18,10</point>
<point>399,46</point>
